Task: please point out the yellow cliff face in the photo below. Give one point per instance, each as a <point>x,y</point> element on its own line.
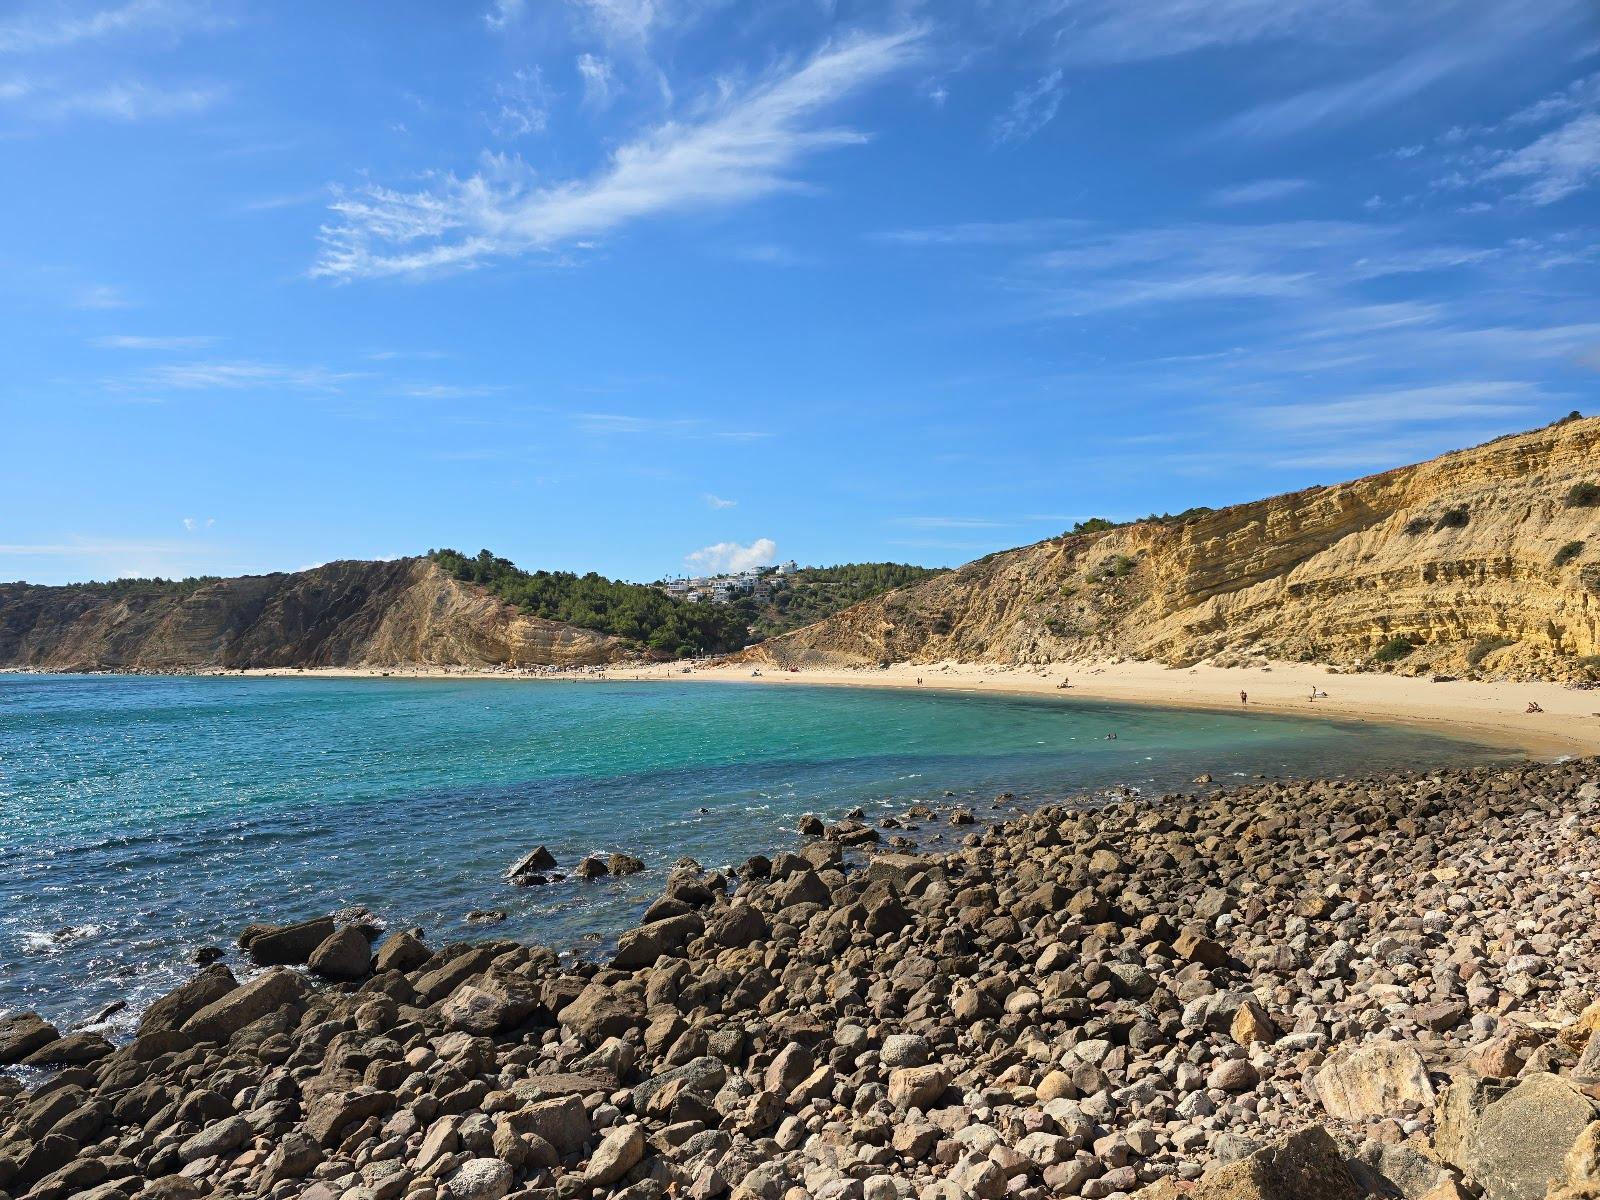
<point>407,612</point>
<point>1469,557</point>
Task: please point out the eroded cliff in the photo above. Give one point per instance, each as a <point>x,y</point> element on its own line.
<point>345,614</point>
<point>1478,559</point>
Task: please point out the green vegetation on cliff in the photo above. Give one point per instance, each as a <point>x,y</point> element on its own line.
<point>814,593</point>
<point>626,610</point>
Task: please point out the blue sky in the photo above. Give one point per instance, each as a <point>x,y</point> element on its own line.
<point>642,286</point>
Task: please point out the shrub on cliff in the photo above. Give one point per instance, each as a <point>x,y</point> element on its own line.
<point>1393,650</point>
<point>1483,647</point>
<point>1567,553</point>
<point>1453,518</point>
<point>1583,495</point>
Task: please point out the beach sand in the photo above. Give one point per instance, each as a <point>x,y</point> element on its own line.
<point>1491,713</point>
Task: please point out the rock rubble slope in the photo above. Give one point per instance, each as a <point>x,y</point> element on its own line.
<point>1281,991</point>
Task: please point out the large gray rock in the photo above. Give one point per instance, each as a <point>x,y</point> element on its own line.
<point>345,954</point>
<point>285,945</point>
<point>492,1003</point>
<point>481,1179</point>
<point>178,1005</point>
<point>1303,1166</point>
<point>225,1016</point>
<point>1374,1080</point>
<point>1519,1141</point>
<point>641,947</point>
<point>617,1154</point>
<point>21,1034</point>
<point>223,1137</point>
<point>401,951</point>
<point>599,1013</point>
<point>562,1121</point>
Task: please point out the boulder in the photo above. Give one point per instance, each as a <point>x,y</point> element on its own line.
<point>285,945</point>
<point>178,1005</point>
<point>223,1137</point>
<point>1302,1166</point>
<point>1373,1080</point>
<point>1519,1141</point>
<point>231,1012</point>
<point>401,951</point>
<point>21,1034</point>
<point>562,1121</point>
<point>598,1013</point>
<point>591,868</point>
<point>532,863</point>
<point>624,864</point>
<point>344,954</point>
<point>738,926</point>
<point>73,1050</point>
<point>617,1154</point>
<point>332,1113</point>
<point>642,946</point>
<point>917,1087</point>
<point>482,1179</point>
<point>493,1002</point>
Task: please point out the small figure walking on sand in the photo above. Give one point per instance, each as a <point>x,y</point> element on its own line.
<point>1244,696</point>
<point>1533,707</point>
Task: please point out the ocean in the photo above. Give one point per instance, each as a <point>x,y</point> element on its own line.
<point>144,817</point>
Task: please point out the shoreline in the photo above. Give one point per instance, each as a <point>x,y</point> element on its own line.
<point>1490,713</point>
<point>1098,1042</point>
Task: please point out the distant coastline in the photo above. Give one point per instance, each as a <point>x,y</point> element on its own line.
<point>1492,713</point>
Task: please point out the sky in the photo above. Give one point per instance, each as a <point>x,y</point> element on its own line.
<point>650,287</point>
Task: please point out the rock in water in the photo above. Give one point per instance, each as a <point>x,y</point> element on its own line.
<point>624,864</point>
<point>21,1034</point>
<point>268,992</point>
<point>592,868</point>
<point>285,945</point>
<point>532,863</point>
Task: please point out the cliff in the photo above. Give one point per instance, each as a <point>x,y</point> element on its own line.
<point>344,614</point>
<point>1466,562</point>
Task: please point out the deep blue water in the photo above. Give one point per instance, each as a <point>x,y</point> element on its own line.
<point>143,817</point>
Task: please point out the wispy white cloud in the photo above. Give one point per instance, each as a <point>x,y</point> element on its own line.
<point>101,296</point>
<point>713,501</point>
<point>503,14</point>
<point>731,556</point>
<point>1407,406</point>
<point>523,105</point>
<point>133,341</point>
<point>198,524</point>
<point>58,27</point>
<point>741,147</point>
<point>599,81</point>
<point>985,233</point>
<point>628,424</point>
<point>237,376</point>
<point>447,391</point>
<point>1032,108</point>
<point>1554,166</point>
<point>124,100</point>
<point>1258,191</point>
<point>949,523</point>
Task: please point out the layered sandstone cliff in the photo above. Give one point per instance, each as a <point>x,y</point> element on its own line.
<point>407,612</point>
<point>1469,556</point>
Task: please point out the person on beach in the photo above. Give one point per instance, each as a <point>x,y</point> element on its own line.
<point>1244,697</point>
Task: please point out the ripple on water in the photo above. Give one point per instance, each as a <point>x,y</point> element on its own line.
<point>142,818</point>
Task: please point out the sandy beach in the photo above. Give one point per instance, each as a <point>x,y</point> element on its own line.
<point>1492,713</point>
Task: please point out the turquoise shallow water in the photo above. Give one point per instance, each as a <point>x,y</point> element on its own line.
<point>143,817</point>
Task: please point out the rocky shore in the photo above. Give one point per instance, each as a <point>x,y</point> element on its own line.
<point>1282,991</point>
